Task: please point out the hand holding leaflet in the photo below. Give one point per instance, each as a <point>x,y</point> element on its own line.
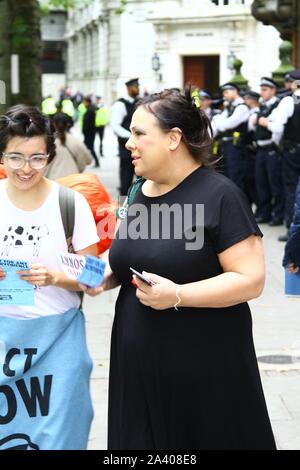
<point>87,270</point>
<point>13,290</point>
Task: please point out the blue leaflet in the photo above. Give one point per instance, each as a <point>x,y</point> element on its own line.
<point>93,272</point>
<point>13,290</point>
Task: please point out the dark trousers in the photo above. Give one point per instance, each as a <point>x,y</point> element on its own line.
<point>126,170</point>
<point>270,192</point>
<point>250,184</point>
<point>235,163</point>
<point>290,176</point>
<point>89,139</point>
<point>100,131</point>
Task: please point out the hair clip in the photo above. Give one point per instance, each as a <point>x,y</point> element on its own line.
<point>6,118</point>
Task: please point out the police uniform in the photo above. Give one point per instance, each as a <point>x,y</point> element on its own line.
<point>101,120</point>
<point>210,111</point>
<point>287,121</point>
<point>121,115</point>
<point>231,127</point>
<point>251,150</point>
<point>268,172</point>
<point>49,106</point>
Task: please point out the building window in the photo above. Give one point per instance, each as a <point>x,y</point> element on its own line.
<point>228,2</point>
<point>53,57</point>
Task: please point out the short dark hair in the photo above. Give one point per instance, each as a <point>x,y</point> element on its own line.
<point>174,109</point>
<point>26,121</point>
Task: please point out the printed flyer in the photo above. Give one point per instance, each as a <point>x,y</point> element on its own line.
<point>13,290</point>
<point>87,270</point>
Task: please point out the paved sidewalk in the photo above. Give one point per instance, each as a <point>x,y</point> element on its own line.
<point>276,325</point>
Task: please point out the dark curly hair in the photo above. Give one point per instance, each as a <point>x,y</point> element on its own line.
<point>26,121</point>
<point>174,109</point>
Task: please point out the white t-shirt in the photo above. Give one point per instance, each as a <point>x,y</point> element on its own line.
<point>37,236</point>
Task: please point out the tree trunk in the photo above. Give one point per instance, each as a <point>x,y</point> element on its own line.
<point>25,20</point>
<point>4,56</point>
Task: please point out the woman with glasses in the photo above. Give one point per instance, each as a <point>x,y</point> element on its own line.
<point>45,377</point>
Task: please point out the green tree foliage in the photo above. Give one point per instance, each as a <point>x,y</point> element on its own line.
<point>20,34</point>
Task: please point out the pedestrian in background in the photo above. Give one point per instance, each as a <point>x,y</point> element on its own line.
<point>102,119</point>
<point>89,128</point>
<point>72,156</point>
<point>121,114</point>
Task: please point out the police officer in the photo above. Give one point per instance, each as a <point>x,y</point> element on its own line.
<point>206,102</point>
<point>48,106</point>
<point>251,99</point>
<point>89,128</point>
<point>102,119</point>
<point>121,114</point>
<point>287,90</point>
<point>268,160</point>
<point>286,120</point>
<point>231,126</point>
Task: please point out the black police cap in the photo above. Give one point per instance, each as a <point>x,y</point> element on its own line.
<point>295,74</point>
<point>205,94</point>
<point>132,82</point>
<point>252,94</point>
<point>230,86</point>
<point>266,81</point>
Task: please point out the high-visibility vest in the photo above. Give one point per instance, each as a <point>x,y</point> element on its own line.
<point>81,112</point>
<point>195,96</point>
<point>67,107</point>
<point>102,116</point>
<point>48,106</point>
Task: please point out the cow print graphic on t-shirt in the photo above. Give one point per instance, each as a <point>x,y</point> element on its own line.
<point>15,236</point>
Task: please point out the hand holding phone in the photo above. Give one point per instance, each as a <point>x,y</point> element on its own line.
<point>142,277</point>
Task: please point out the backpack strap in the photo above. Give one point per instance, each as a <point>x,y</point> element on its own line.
<point>67,211</point>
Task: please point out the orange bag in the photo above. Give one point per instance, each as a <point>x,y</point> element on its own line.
<point>102,205</point>
<point>2,172</point>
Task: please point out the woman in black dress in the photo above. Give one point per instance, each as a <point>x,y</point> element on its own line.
<point>183,370</point>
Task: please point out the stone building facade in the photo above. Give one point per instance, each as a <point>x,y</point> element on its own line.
<point>166,43</point>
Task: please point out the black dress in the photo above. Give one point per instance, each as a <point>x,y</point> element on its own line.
<point>185,379</point>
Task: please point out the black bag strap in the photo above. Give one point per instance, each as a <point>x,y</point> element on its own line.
<point>67,210</point>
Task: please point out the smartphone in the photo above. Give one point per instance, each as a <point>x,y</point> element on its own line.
<point>142,277</point>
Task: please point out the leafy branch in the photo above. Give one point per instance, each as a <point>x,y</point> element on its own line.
<point>121,8</point>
